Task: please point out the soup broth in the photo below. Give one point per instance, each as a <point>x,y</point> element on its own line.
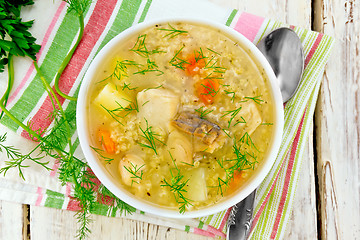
<point>181,115</point>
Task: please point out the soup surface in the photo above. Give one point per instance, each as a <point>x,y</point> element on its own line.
<point>181,115</point>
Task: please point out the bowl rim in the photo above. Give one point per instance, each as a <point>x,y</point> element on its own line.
<point>95,165</point>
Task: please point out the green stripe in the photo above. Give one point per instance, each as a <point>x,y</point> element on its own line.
<point>54,199</point>
<point>146,9</point>
<point>201,224</point>
<point>231,17</point>
<point>123,20</point>
<point>55,55</point>
<point>187,228</point>
<point>100,209</point>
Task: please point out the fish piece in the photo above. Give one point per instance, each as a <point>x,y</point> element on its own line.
<point>157,107</point>
<point>207,132</point>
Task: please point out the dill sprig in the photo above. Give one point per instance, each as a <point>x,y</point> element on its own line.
<point>177,62</point>
<point>232,114</point>
<point>242,160</point>
<point>151,66</point>
<point>213,65</point>
<point>121,70</point>
<point>232,95</point>
<point>172,32</point>
<point>256,99</point>
<point>203,112</point>
<point>177,186</point>
<point>134,170</point>
<point>141,49</point>
<point>100,153</point>
<point>248,141</point>
<point>150,138</point>
<point>210,88</point>
<point>120,111</point>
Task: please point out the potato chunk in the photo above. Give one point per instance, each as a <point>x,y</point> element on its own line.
<point>131,167</point>
<point>196,189</point>
<point>111,98</point>
<point>158,107</point>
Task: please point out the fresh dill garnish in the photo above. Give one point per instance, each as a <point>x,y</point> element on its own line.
<point>212,64</point>
<point>256,99</point>
<point>177,186</point>
<point>100,153</point>
<point>172,32</point>
<point>248,141</point>
<point>210,89</point>
<point>267,124</point>
<point>150,138</point>
<point>225,131</point>
<point>127,86</point>
<point>134,170</point>
<point>157,87</point>
<point>121,69</point>
<point>232,95</point>
<point>199,55</point>
<point>203,112</point>
<point>114,114</point>
<point>213,51</point>
<point>240,121</point>
<point>141,49</point>
<point>212,76</point>
<point>177,62</point>
<point>151,66</point>
<point>232,114</point>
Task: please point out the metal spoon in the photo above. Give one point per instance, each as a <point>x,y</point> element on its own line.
<point>284,51</point>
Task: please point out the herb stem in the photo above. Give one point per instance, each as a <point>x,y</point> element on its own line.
<point>67,60</point>
<point>5,97</point>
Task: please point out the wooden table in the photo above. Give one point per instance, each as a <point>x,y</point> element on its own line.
<point>327,200</point>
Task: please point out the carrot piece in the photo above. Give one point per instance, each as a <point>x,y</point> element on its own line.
<point>235,182</point>
<point>196,63</point>
<point>107,143</point>
<point>207,90</point>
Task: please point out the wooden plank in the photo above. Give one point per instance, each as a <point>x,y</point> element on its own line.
<point>49,223</point>
<point>337,122</point>
<point>12,224</point>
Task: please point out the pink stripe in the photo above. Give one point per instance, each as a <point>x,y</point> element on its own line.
<point>262,207</point>
<point>43,44</point>
<point>313,49</point>
<point>203,232</point>
<point>40,196</point>
<point>225,219</point>
<point>215,231</point>
<point>249,25</point>
<point>287,179</point>
<point>54,168</point>
<point>68,189</point>
<point>93,30</point>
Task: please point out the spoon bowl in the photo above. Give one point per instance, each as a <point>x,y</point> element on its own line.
<point>284,51</point>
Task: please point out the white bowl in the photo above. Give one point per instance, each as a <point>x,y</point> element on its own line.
<point>109,182</point>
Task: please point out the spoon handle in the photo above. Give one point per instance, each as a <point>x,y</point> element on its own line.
<point>240,219</point>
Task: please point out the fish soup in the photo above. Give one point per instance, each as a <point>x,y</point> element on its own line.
<point>181,115</point>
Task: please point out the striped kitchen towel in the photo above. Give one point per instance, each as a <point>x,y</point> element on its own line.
<point>55,30</point>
